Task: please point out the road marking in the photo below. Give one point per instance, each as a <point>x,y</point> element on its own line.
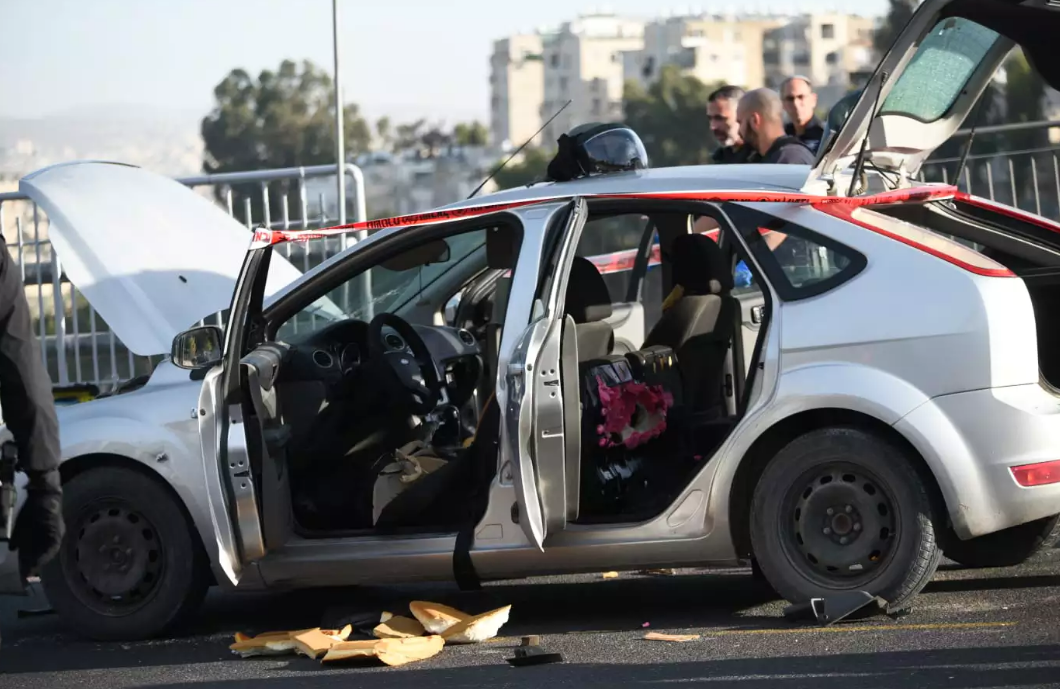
<point>862,628</point>
<point>805,630</point>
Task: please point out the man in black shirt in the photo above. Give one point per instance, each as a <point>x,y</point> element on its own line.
<point>800,103</point>
<point>762,127</point>
<point>721,110</point>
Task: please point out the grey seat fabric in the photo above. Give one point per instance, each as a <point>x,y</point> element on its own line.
<point>699,326</point>
<point>588,303</point>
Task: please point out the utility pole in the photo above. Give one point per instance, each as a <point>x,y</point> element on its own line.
<point>340,143</point>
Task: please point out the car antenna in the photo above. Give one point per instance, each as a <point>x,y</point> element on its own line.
<point>971,138</point>
<point>516,152</point>
<point>859,164</point>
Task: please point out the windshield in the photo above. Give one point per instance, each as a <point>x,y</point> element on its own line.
<point>387,287</point>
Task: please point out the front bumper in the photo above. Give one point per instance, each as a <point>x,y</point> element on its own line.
<point>972,440</point>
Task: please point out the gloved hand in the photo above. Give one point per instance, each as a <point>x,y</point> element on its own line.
<point>39,526</point>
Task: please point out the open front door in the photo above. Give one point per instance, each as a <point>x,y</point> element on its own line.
<point>227,433</point>
<point>531,382</point>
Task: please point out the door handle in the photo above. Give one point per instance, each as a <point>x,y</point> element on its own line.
<point>756,314</point>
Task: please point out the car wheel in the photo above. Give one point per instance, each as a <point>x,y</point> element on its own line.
<point>1007,548</point>
<point>130,567</point>
<point>839,509</point>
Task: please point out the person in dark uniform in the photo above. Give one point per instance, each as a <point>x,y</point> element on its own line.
<point>721,111</point>
<point>800,103</point>
<point>28,409</point>
<point>762,127</point>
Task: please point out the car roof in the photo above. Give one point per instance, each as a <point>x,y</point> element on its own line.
<point>735,177</point>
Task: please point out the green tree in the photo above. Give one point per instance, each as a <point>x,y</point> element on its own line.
<point>531,168</point>
<point>670,117</point>
<point>284,118</point>
<point>898,15</point>
<point>473,134</point>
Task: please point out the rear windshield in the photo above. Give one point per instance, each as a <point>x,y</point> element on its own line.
<point>940,69</point>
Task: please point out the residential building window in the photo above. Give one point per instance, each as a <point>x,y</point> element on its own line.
<point>554,59</point>
<point>827,30</point>
<point>563,84</point>
<point>596,106</point>
<point>832,58</point>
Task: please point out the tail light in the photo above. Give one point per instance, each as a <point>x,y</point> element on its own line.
<point>1041,474</point>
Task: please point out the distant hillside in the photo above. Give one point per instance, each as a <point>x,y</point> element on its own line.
<point>162,141</point>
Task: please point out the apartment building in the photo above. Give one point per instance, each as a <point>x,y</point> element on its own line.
<point>714,49</point>
<point>584,63</point>
<point>517,86</point>
<point>834,50</point>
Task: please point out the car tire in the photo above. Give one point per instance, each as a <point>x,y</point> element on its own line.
<point>841,509</point>
<point>1007,548</point>
<point>130,567</point>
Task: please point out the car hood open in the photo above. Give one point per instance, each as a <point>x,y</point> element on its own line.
<point>152,256</point>
<point>938,67</point>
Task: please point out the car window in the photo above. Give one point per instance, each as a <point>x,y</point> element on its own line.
<point>940,69</point>
<point>382,288</point>
<point>798,262</point>
<point>611,243</point>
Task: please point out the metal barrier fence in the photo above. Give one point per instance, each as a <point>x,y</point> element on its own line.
<point>1028,179</point>
<point>78,346</point>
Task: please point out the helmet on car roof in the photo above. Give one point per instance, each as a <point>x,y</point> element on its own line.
<point>597,148</point>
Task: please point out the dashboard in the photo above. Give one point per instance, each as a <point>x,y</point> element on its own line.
<point>339,351</point>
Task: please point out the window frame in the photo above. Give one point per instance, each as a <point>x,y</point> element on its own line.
<point>369,254</point>
<point>749,221</point>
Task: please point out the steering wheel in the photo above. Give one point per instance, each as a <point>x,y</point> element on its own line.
<point>415,379</point>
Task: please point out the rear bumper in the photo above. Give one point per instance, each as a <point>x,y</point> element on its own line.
<point>972,440</point>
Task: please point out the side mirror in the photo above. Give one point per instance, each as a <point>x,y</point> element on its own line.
<point>198,347</point>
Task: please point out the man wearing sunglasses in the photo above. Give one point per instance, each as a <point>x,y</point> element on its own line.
<point>800,102</point>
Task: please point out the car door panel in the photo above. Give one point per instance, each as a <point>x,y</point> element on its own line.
<point>752,311</point>
<point>530,389</point>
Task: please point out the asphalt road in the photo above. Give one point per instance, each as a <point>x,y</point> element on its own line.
<point>985,628</point>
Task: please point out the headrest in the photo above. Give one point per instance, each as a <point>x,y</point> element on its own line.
<point>587,297</point>
<point>699,265</point>
<point>502,247</point>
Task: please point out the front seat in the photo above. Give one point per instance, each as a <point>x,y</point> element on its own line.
<point>699,325</point>
<point>589,304</point>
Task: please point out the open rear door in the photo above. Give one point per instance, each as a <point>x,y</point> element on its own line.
<point>531,386</point>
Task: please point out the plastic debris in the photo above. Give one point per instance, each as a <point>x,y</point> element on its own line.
<point>458,627</point>
<point>533,655</point>
<point>646,625</point>
<point>610,575</point>
<point>397,627</point>
<point>393,652</point>
<point>532,640</point>
<point>831,609</point>
<point>397,639</point>
<point>675,638</point>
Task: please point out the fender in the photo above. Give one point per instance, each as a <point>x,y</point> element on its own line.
<point>834,385</point>
<point>170,452</point>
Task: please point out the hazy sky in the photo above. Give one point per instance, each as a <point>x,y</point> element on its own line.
<point>399,57</point>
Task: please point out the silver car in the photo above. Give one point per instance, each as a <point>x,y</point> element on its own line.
<point>838,388</point>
